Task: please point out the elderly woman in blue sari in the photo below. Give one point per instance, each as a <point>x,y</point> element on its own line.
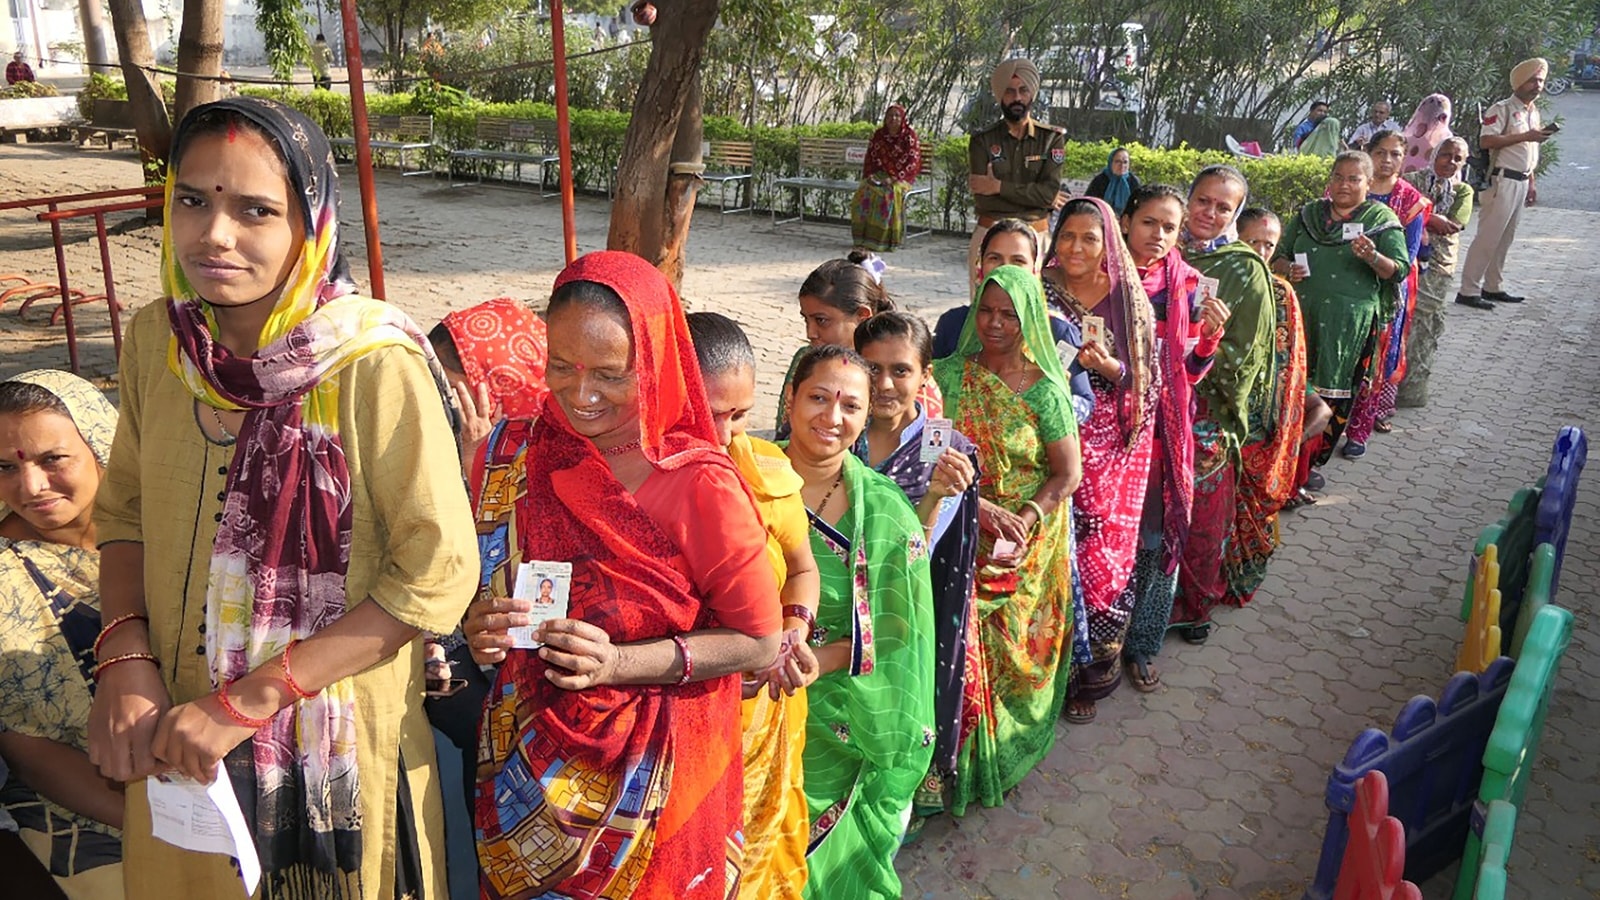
<point>1006,391</point>
<point>870,731</point>
<point>899,349</point>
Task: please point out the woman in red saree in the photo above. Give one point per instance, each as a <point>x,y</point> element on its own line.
<point>609,758</point>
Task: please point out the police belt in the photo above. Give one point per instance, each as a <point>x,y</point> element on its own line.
<point>1512,174</point>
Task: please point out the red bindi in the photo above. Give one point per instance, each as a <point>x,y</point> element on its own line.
<point>578,366</point>
<point>233,132</point>
<point>21,455</point>
<point>219,188</point>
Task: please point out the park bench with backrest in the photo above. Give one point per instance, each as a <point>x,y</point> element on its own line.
<point>517,142</point>
<point>111,118</point>
<point>730,163</point>
<point>833,165</point>
<point>396,134</point>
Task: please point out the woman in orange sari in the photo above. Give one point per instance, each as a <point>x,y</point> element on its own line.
<point>609,756</point>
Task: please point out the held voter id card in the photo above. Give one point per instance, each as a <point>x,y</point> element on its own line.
<point>935,439</point>
<point>1353,230</point>
<point>1094,330</point>
<point>547,585</point>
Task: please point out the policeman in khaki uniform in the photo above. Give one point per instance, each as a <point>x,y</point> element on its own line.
<point>1512,134</point>
<point>1015,164</point>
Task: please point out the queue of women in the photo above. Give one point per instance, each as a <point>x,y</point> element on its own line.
<point>775,660</point>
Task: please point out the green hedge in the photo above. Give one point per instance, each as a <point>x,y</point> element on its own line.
<point>1281,183</point>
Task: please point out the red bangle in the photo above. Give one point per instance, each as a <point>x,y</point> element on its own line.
<point>113,625</point>
<point>95,672</point>
<point>688,661</point>
<point>233,711</point>
<point>288,677</point>
<point>804,614</point>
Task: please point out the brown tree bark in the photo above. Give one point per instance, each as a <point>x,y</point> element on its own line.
<point>199,53</point>
<point>93,21</point>
<point>135,54</point>
<point>658,175</point>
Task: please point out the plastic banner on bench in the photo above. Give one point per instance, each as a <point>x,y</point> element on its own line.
<point>1513,745</point>
<point>1560,494</point>
<point>1375,857</point>
<point>1433,761</point>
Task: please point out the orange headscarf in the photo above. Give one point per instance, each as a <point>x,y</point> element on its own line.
<point>502,342</point>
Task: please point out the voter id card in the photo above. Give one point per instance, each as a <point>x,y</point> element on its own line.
<point>1094,330</point>
<point>1353,230</point>
<point>548,586</point>
<point>935,439</point>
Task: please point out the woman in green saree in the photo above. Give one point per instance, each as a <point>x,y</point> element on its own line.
<point>1005,390</point>
<point>1356,251</point>
<point>870,731</point>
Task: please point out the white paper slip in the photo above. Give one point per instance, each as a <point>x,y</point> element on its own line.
<point>549,586</point>
<point>1303,260</point>
<point>935,439</point>
<point>1004,548</point>
<point>1207,288</point>
<point>1094,330</point>
<point>205,819</point>
<point>1353,230</point>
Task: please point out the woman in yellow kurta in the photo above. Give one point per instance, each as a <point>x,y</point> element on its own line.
<point>773,714</point>
<point>281,515</point>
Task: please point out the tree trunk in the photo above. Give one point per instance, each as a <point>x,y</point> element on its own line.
<point>651,214</point>
<point>93,20</point>
<point>137,57</point>
<point>199,53</point>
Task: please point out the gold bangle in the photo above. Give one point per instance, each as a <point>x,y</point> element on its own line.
<point>126,657</point>
<point>1038,511</point>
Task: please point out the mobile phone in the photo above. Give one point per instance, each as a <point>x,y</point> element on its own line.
<point>1553,127</point>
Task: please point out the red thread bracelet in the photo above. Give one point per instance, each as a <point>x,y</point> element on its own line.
<point>288,677</point>
<point>113,625</point>
<point>233,711</point>
<point>688,661</point>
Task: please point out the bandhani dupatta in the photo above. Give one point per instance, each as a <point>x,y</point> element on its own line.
<point>1134,340</point>
<point>501,342</point>
<point>1175,280</point>
<point>583,794</point>
<point>899,154</point>
<point>278,564</point>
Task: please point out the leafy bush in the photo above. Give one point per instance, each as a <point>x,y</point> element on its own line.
<point>23,90</point>
<point>1282,183</point>
<point>112,87</point>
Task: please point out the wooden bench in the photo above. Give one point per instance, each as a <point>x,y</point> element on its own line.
<point>396,134</point>
<point>730,163</point>
<point>833,165</point>
<point>516,141</point>
<point>112,118</point>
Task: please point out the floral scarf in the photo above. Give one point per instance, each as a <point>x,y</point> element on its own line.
<point>1174,280</point>
<point>899,154</point>
<point>278,563</point>
<point>502,342</point>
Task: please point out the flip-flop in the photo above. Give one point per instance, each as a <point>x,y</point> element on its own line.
<point>1080,718</point>
<point>1197,633</point>
<point>1144,677</point>
<point>1382,426</point>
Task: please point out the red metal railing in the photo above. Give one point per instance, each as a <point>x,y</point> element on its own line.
<point>150,198</point>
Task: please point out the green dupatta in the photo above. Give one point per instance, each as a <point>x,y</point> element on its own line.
<point>1244,365</point>
<point>870,731</point>
<point>1017,668</point>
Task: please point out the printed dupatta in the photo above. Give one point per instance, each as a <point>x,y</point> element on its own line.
<point>576,789</point>
<point>898,154</point>
<point>1175,280</point>
<point>279,559</point>
<point>1133,342</point>
<point>1410,205</point>
<point>954,563</point>
<point>501,343</point>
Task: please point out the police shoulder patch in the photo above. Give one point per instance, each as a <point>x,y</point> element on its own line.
<point>1058,155</point>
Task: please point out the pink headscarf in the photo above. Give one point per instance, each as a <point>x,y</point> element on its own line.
<point>1428,128</point>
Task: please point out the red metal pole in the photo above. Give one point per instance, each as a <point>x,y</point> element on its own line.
<point>66,293</point>
<point>111,289</point>
<point>558,46</point>
<point>363,136</point>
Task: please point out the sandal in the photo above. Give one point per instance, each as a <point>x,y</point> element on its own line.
<point>1144,677</point>
<point>1197,633</point>
<point>1382,426</point>
<point>1301,498</point>
<point>1081,712</point>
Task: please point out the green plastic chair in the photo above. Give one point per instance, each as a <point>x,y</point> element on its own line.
<point>1498,827</point>
<point>1514,744</point>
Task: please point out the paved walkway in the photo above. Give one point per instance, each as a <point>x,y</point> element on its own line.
<point>1211,787</point>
